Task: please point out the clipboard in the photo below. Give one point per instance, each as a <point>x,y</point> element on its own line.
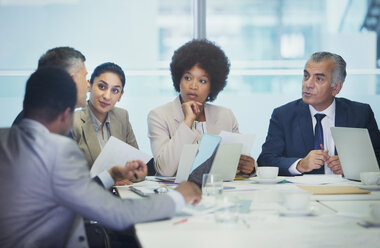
<point>333,190</point>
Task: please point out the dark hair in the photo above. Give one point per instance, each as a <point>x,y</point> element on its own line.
<point>49,91</point>
<point>66,58</point>
<point>207,56</point>
<point>338,73</point>
<point>108,67</point>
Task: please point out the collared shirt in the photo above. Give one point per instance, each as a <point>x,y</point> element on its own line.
<point>200,126</point>
<point>98,128</point>
<point>327,122</point>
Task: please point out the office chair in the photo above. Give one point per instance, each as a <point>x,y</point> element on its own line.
<point>97,235</point>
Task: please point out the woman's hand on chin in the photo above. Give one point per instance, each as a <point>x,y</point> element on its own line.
<point>191,110</point>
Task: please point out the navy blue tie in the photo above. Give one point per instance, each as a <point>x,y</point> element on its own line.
<point>318,132</point>
<point>318,139</point>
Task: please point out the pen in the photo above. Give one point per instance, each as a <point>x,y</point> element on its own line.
<point>169,183</point>
<point>245,223</point>
<point>180,221</point>
<point>228,187</point>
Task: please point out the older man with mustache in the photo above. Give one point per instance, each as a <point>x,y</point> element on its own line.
<point>299,139</point>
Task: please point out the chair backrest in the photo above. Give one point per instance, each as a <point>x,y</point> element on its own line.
<point>96,235</point>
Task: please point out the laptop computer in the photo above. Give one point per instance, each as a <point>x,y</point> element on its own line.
<point>355,151</point>
<point>224,162</point>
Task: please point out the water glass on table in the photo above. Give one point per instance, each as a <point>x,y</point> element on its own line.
<point>212,186</point>
<point>227,209</point>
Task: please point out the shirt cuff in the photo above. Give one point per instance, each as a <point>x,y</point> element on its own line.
<point>106,179</point>
<point>293,168</point>
<point>178,200</point>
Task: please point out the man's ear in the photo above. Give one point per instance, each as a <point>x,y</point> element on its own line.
<point>337,88</point>
<point>88,86</point>
<point>66,115</point>
<point>64,122</point>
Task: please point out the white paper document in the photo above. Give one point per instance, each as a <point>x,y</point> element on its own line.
<point>317,179</point>
<point>116,152</point>
<point>245,139</point>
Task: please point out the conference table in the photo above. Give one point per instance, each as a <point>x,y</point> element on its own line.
<point>332,220</point>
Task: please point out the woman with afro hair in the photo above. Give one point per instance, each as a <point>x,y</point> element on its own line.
<point>199,71</point>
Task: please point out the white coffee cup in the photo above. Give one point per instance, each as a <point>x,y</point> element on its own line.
<point>375,211</point>
<point>267,172</point>
<point>370,178</point>
<point>297,200</point>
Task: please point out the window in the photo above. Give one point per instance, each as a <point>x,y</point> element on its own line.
<point>267,41</point>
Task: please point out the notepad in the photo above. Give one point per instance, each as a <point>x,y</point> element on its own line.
<point>333,190</point>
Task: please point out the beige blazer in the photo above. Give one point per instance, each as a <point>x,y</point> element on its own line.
<point>168,132</point>
<point>84,133</point>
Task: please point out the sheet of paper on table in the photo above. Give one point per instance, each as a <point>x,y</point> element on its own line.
<point>144,186</point>
<point>317,179</point>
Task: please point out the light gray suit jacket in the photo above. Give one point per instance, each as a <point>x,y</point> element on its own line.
<point>85,135</point>
<point>45,181</point>
<point>168,132</point>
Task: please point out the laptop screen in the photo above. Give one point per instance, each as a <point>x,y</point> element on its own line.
<point>355,151</point>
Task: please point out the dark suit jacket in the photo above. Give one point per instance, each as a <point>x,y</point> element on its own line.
<point>290,134</point>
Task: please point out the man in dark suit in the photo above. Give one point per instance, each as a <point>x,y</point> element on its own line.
<point>299,139</point>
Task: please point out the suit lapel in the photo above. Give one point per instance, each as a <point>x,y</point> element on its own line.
<point>211,121</point>
<point>89,135</point>
<point>340,113</point>
<point>305,126</point>
<point>177,111</point>
<point>116,126</point>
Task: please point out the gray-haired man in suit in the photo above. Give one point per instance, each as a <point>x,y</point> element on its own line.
<point>44,178</point>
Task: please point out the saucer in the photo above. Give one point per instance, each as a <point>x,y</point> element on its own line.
<point>369,187</point>
<point>267,181</point>
<point>371,222</point>
<point>305,212</point>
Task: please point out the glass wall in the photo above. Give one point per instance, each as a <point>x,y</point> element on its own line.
<point>267,41</point>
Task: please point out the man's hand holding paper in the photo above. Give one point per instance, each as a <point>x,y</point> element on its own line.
<point>133,170</point>
<point>117,152</point>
